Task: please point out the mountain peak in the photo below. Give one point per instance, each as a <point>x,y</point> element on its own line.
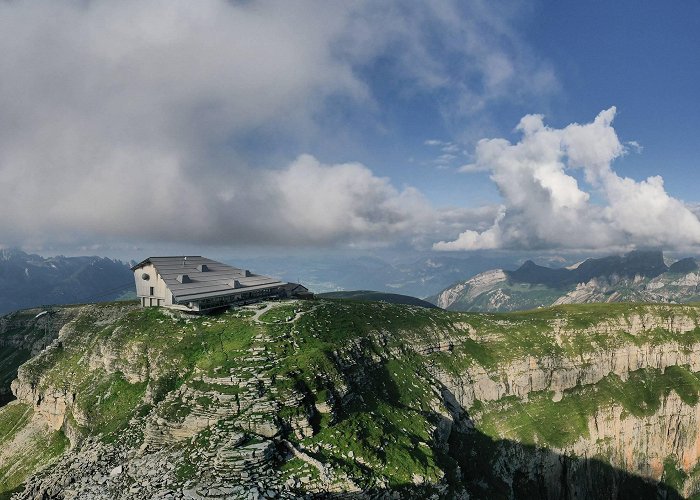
<point>684,266</point>
<point>11,253</point>
<point>528,264</point>
<point>29,280</point>
<point>647,263</point>
<point>603,279</point>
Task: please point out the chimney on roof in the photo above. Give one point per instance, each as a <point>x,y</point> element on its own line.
<point>202,268</point>
<point>247,273</point>
<point>234,284</point>
<point>183,278</point>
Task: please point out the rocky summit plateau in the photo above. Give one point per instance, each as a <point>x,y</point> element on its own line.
<point>351,399</point>
<point>639,276</point>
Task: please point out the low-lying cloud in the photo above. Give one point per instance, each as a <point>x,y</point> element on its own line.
<point>545,206</point>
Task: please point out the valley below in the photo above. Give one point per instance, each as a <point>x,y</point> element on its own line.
<point>350,399</point>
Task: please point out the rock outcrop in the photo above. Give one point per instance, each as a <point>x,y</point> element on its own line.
<point>366,399</point>
<point>636,277</point>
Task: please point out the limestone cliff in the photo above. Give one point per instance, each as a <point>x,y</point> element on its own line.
<point>23,334</point>
<point>347,398</point>
<point>636,277</point>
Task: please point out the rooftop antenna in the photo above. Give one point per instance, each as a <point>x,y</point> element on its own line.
<point>183,261</point>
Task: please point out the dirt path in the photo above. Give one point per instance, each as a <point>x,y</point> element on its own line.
<point>274,305</point>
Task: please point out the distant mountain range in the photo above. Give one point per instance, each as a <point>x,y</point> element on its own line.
<point>639,276</point>
<point>416,275</point>
<point>28,280</point>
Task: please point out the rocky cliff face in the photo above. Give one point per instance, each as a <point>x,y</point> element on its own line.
<point>637,277</point>
<point>24,334</point>
<point>640,442</point>
<point>343,398</point>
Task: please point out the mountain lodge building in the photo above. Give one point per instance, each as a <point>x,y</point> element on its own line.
<point>196,284</point>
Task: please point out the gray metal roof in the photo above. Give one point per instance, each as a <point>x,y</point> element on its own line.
<point>217,281</point>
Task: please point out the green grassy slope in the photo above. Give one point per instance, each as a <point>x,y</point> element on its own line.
<point>372,296</point>
<point>26,445</point>
<point>352,383</point>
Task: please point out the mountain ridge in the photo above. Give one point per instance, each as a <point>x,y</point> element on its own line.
<point>356,399</point>
<point>643,263</point>
<point>29,280</point>
<point>639,276</point>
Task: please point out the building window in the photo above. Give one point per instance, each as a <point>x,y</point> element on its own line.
<point>152,291</point>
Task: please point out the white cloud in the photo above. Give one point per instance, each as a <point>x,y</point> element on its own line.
<point>546,207</point>
<point>638,148</point>
<point>339,202</point>
<point>130,121</point>
<point>450,148</point>
<point>449,153</point>
<point>114,116</point>
<point>319,204</point>
<point>474,240</point>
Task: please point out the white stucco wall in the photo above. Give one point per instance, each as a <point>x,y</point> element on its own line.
<point>160,296</point>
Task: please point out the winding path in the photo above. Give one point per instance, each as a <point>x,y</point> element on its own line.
<point>274,305</point>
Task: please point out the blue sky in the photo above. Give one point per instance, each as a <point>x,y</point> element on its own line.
<point>638,56</point>
<point>231,125</point>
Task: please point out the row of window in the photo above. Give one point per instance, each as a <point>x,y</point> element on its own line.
<point>227,299</point>
<point>242,297</point>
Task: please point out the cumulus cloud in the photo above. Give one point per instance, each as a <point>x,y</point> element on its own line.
<point>131,120</point>
<point>545,206</point>
<point>449,153</point>
<point>316,203</point>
